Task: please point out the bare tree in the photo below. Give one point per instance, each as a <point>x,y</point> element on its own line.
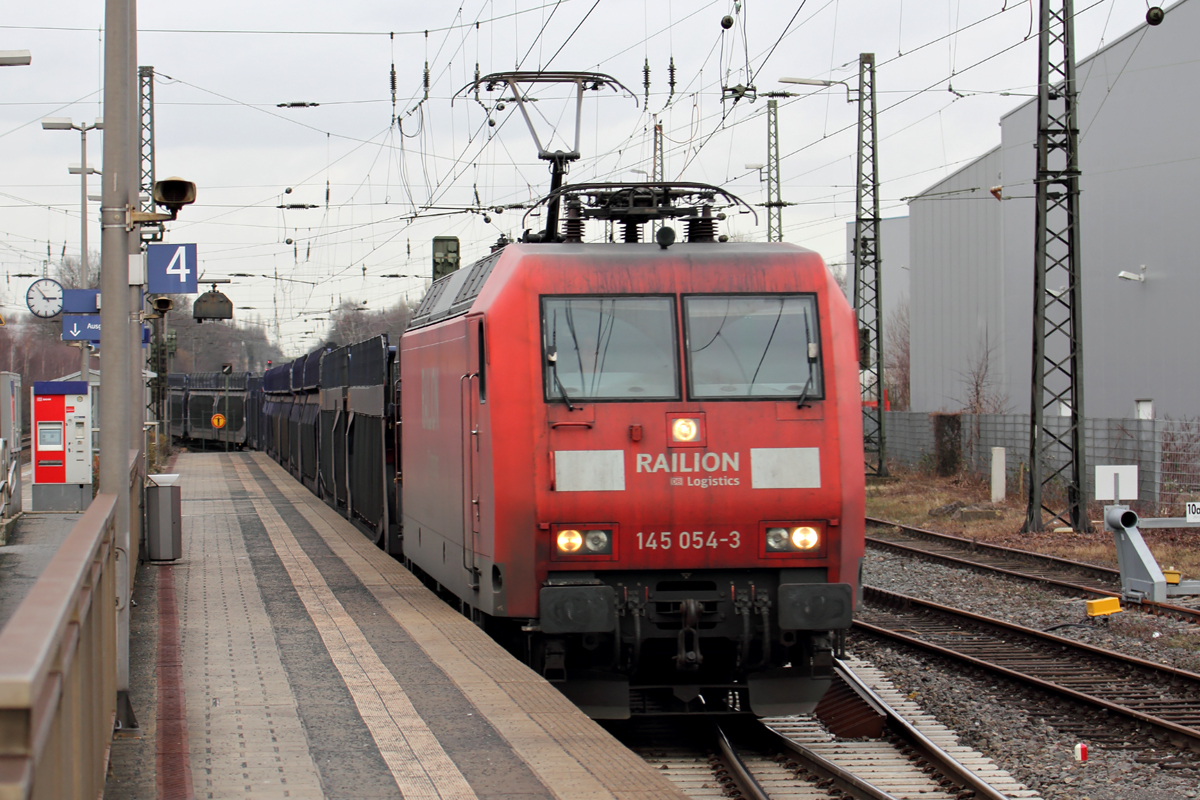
<point>350,323</point>
<point>204,348</point>
<point>897,357</point>
<point>984,393</point>
<point>74,275</point>
<point>33,349</point>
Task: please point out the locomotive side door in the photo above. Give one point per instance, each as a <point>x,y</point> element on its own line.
<point>474,384</point>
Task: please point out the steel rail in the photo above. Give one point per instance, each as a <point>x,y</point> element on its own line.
<point>741,772</point>
<point>947,764</point>
<point>1182,613</point>
<point>1016,553</point>
<point>1189,734</point>
<point>693,758</point>
<point>842,778</point>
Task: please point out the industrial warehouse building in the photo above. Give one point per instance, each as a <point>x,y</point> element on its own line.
<point>971,255</point>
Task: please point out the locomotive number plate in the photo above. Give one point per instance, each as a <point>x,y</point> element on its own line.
<point>688,540</point>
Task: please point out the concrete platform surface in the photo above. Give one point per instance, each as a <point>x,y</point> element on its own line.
<point>32,541</point>
<point>286,656</point>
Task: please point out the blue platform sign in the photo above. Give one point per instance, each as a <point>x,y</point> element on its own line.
<point>81,327</point>
<point>86,327</point>
<point>171,269</point>
<point>81,301</point>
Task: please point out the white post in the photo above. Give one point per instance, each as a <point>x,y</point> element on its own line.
<point>999,475</point>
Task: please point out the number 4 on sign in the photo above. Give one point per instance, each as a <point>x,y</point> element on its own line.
<point>178,266</point>
<point>171,268</point>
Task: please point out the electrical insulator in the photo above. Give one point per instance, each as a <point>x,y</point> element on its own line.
<point>671,77</point>
<point>646,79</point>
<point>426,80</point>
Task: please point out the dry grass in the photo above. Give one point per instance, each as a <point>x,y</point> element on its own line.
<point>910,498</point>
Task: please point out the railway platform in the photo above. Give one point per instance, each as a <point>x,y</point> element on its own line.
<point>284,655</point>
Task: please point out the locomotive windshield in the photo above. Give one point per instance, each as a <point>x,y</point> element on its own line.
<point>752,346</point>
<point>610,348</point>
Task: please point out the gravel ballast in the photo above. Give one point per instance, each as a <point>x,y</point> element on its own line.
<point>1021,730</point>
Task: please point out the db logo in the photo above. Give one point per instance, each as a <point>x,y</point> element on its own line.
<point>677,481</point>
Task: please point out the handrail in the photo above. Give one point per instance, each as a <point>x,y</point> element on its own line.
<point>58,668</point>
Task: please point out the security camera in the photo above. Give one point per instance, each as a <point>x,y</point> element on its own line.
<point>174,193</point>
<point>726,22</point>
<point>1154,15</point>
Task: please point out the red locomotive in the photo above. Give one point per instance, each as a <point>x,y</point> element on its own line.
<point>640,465</point>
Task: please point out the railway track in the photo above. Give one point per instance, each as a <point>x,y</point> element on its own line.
<point>1165,699</point>
<point>1072,577</point>
<point>880,756</point>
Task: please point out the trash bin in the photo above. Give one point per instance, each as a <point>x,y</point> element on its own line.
<point>164,520</point>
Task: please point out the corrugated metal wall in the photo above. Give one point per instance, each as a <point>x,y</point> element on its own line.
<point>972,257</point>
<point>957,306</point>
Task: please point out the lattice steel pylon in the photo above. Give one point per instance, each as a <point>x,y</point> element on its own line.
<point>868,269</point>
<point>156,359</point>
<point>657,168</point>
<point>1057,458</point>
<point>152,232</point>
<point>774,191</point>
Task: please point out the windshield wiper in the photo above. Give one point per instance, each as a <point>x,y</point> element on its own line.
<point>811,347</point>
<point>552,360</point>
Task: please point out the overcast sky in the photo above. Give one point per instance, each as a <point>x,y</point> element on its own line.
<point>222,68</point>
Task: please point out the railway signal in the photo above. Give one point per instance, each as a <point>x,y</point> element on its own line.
<point>445,256</point>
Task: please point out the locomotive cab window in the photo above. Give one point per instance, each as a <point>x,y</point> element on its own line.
<point>763,346</point>
<point>609,348</point>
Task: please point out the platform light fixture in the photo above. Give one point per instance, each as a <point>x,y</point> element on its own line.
<point>819,82</point>
<point>15,58</point>
<point>1140,277</point>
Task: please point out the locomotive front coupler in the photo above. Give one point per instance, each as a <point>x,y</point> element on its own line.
<point>634,607</point>
<point>688,658</point>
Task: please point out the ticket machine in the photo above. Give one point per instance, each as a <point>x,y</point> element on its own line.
<point>61,425</point>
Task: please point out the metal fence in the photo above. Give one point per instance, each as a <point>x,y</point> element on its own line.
<point>1166,451</point>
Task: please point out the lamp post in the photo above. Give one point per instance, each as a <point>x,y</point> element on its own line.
<point>83,170</point>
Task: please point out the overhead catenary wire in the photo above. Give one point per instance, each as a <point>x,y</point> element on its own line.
<point>446,163</point>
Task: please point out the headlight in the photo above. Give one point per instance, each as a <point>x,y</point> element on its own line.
<point>804,538</point>
<point>598,542</point>
<point>569,541</point>
<point>778,539</point>
<point>685,430</point>
<point>792,538</point>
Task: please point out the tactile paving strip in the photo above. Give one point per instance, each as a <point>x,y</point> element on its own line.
<point>246,740</point>
<point>417,761</point>
<point>569,753</point>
